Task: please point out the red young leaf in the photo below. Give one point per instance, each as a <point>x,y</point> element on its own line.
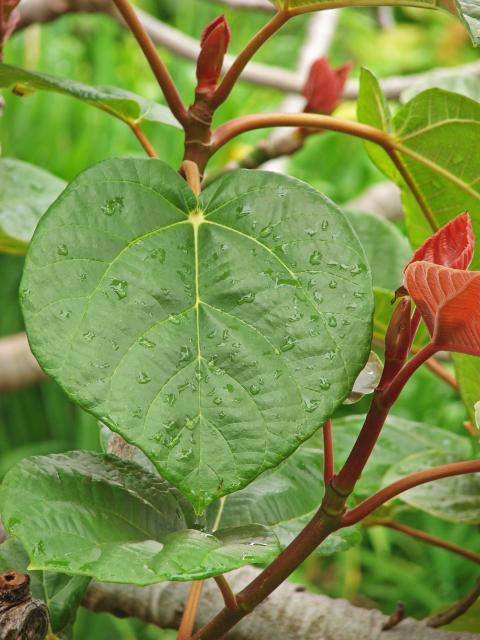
<point>449,301</point>
<point>324,87</point>
<point>11,17</point>
<point>452,245</point>
<point>213,46</point>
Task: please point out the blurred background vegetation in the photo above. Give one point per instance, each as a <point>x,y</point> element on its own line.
<point>66,136</point>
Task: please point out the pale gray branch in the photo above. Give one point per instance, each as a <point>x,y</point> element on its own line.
<point>289,613</point>
<point>18,367</point>
<point>40,11</point>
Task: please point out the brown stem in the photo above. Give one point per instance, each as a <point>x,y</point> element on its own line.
<point>232,75</point>
<point>190,612</point>
<point>428,538</point>
<point>2,27</point>
<point>228,596</point>
<point>382,401</point>
<point>142,138</point>
<point>156,64</point>
<point>325,521</point>
<point>375,501</point>
<point>225,132</point>
<point>328,467</point>
<point>457,609</point>
<point>413,188</point>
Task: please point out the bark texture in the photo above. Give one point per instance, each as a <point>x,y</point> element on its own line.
<point>289,614</point>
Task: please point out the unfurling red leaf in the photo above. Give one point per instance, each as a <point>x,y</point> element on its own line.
<point>397,340</point>
<point>10,19</point>
<point>213,46</point>
<point>324,87</point>
<point>451,246</point>
<point>449,301</point>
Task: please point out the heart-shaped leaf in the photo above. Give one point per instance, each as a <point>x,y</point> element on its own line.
<point>61,593</point>
<point>451,246</point>
<point>449,301</point>
<point>455,499</point>
<point>86,514</point>
<point>435,138</point>
<point>467,374</point>
<point>217,334</point>
<point>120,103</point>
<point>26,194</point>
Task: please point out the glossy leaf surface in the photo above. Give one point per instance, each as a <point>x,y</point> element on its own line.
<point>119,102</point>
<point>215,335</point>
<point>467,373</point>
<point>455,499</point>
<point>435,139</point>
<point>449,301</point>
<point>87,514</point>
<point>25,195</point>
<point>61,593</point>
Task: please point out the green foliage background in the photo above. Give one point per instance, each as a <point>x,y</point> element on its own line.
<point>65,137</point>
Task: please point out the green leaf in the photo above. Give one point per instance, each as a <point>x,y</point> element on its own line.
<point>88,514</point>
<point>467,10</point>
<point>284,500</point>
<point>455,499</point>
<point>466,85</point>
<point>61,593</point>
<point>398,441</point>
<point>118,102</point>
<point>467,373</point>
<point>373,109</point>
<point>26,194</point>
<point>435,137</point>
<point>214,335</point>
<point>387,250</point>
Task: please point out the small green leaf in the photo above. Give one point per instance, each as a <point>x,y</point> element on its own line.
<point>373,109</point>
<point>284,500</point>
<point>118,102</point>
<point>455,499</point>
<point>88,514</point>
<point>61,593</point>
<point>26,194</point>
<point>466,85</point>
<point>467,372</point>
<point>399,439</point>
<point>215,335</point>
<point>387,250</point>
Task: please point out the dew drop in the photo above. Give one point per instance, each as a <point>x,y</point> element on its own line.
<point>112,206</point>
<point>254,389</point>
<point>316,257</point>
<point>332,284</point>
<point>287,343</point>
<point>143,378</point>
<point>318,296</point>
<point>324,225</point>
<point>332,321</point>
<point>119,287</point>
<point>65,314</point>
<point>247,298</point>
<point>88,336</point>
<point>170,398</point>
<point>324,384</point>
<point>144,342</point>
<point>230,388</point>
<point>217,400</point>
<point>174,319</point>
<point>185,353</point>
<point>266,231</point>
<point>158,254</point>
<point>62,250</point>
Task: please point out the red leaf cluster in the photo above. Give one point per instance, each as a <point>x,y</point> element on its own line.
<point>445,293</point>
<point>324,86</point>
<point>213,46</point>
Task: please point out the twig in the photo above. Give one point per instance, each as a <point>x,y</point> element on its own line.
<point>328,467</point>
<point>369,505</point>
<point>426,537</point>
<point>159,69</point>
<point>457,609</point>
<point>241,61</point>
<point>228,596</point>
<point>142,138</point>
<point>396,617</point>
<point>190,612</point>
